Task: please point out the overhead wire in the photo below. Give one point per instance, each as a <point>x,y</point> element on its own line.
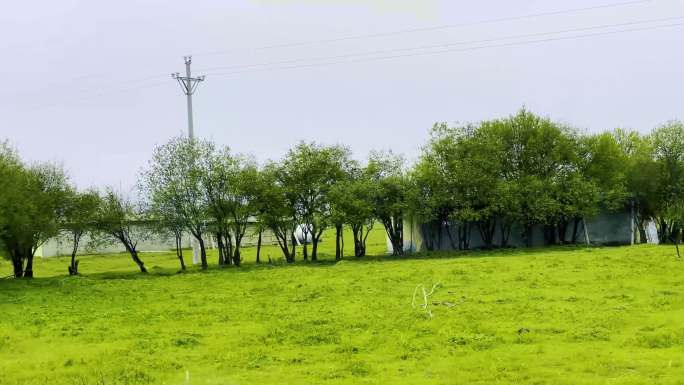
<point>444,45</point>
<point>433,49</point>
<point>430,29</point>
<point>394,33</point>
<point>467,49</point>
<point>390,57</point>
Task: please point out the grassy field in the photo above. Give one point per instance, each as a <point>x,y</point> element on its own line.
<point>542,316</point>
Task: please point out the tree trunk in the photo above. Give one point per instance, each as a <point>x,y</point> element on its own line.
<point>73,265</point>
<point>237,258</point>
<point>505,228</point>
<point>676,237</point>
<point>663,230</point>
<point>439,232</point>
<point>527,234</point>
<point>356,230</point>
<point>575,230</point>
<point>259,246</point>
<point>179,250</point>
<point>315,239</point>
<point>314,245</point>
<point>337,243</point>
<point>305,246</point>
<point>394,233</point>
<point>426,231</point>
<point>562,230</point>
<point>642,231</point>
<point>18,264</point>
<point>464,235</point>
<point>221,250</point>
<point>28,269</point>
<point>363,240</point>
<point>397,246</point>
<point>314,251</point>
<point>293,252</point>
<point>486,229</point>
<point>452,243</point>
<point>281,237</point>
<point>549,234</point>
<point>394,229</point>
<point>203,253</point>
<point>677,248</point>
<point>134,255</point>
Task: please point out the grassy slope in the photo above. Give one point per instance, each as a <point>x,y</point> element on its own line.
<point>597,316</point>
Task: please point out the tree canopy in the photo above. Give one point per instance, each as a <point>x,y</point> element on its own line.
<point>523,171</point>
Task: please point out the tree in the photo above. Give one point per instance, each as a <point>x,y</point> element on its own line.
<point>79,213</point>
<point>174,183</point>
<point>231,194</point>
<point>668,152</point>
<point>474,164</point>
<point>604,162</point>
<point>457,178</point>
<point>120,219</point>
<point>32,203</point>
<point>538,164</point>
<point>352,203</point>
<point>439,187</point>
<point>390,195</point>
<point>243,194</point>
<point>274,210</point>
<point>431,200</point>
<point>641,171</point>
<point>165,221</point>
<point>523,168</point>
<point>307,173</point>
<point>11,175</point>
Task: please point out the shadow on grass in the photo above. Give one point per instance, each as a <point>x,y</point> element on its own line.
<point>324,261</point>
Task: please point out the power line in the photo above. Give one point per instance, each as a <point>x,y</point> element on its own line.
<point>99,94</point>
<point>381,58</point>
<point>446,45</point>
<point>431,29</point>
<point>399,32</point>
<point>513,44</point>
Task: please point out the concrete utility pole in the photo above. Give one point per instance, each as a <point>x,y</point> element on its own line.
<point>189,85</point>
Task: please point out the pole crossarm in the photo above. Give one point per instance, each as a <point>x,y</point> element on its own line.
<point>188,83</point>
<point>185,81</point>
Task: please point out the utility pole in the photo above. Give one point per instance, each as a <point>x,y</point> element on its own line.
<point>188,86</point>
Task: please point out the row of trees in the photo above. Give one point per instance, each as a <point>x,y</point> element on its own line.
<point>37,203</point>
<point>193,187</point>
<point>528,171</point>
<point>518,172</point>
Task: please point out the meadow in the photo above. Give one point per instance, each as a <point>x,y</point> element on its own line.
<point>554,316</point>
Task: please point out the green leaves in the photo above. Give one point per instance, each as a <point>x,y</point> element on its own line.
<point>32,203</point>
<point>523,167</point>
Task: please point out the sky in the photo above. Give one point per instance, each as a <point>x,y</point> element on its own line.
<point>87,83</point>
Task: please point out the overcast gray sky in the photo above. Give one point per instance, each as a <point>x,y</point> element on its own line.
<point>87,83</point>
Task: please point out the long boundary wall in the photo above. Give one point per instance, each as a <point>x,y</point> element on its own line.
<point>606,228</point>
<point>62,245</point>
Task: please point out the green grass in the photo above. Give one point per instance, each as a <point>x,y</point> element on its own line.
<point>542,316</point>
